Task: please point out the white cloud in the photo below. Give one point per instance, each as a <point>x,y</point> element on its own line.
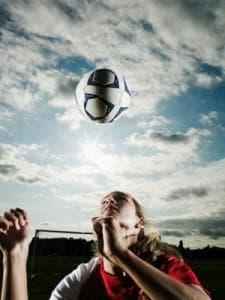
<point>17,166</point>
<point>210,118</point>
<point>193,27</point>
<point>71,116</point>
<point>20,60</point>
<point>187,142</point>
<point>28,73</point>
<point>156,122</point>
<point>6,116</point>
<point>207,81</point>
<point>155,194</point>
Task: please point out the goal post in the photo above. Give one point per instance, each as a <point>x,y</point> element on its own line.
<point>57,233</point>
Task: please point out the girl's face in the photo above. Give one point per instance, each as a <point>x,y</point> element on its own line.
<point>120,207</point>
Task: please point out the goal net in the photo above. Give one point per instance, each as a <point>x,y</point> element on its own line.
<point>58,251</point>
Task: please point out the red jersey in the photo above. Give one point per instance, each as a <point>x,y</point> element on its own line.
<point>102,285</point>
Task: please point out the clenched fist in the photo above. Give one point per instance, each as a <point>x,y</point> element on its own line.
<point>14,231</point>
<point>113,236</point>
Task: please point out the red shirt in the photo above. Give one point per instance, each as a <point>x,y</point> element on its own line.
<point>102,285</point>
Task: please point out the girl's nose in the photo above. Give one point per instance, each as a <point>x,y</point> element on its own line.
<point>110,200</point>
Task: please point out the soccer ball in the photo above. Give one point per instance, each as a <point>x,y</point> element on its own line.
<point>102,95</point>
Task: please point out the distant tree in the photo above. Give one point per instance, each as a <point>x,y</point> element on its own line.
<point>181,246</point>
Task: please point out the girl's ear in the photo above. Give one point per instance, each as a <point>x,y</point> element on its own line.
<point>140,224</point>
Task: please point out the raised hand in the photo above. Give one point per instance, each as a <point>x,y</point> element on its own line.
<point>14,241</point>
<point>113,237</point>
<point>14,231</point>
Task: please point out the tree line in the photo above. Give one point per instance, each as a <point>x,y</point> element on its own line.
<point>82,247</point>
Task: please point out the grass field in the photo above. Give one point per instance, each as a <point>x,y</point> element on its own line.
<point>211,274</point>
<point>48,271</point>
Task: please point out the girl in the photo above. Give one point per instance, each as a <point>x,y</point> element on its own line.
<point>130,265</point>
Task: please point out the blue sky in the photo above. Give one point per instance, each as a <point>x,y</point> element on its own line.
<point>167,149</point>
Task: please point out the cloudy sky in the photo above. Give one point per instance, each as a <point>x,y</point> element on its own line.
<point>168,150</point>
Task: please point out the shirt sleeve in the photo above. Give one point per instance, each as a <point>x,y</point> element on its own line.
<point>179,270</point>
<point>69,287</point>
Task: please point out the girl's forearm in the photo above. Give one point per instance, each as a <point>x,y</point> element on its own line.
<point>14,282</point>
<point>155,284</point>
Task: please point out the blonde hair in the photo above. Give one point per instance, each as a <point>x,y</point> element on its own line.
<point>149,246</point>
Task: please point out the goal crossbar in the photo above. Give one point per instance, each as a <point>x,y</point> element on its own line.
<point>36,236</point>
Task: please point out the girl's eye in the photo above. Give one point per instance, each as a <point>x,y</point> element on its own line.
<point>123,199</point>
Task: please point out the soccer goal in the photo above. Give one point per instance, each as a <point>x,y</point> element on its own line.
<point>57,251</point>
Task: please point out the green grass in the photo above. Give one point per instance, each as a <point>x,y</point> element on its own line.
<point>47,272</point>
<point>211,274</point>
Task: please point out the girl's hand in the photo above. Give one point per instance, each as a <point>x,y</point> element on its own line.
<point>14,231</point>
<point>113,237</point>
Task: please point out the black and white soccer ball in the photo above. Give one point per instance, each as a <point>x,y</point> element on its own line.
<point>102,95</point>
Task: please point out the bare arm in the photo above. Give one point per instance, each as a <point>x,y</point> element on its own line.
<point>14,243</point>
<point>156,284</point>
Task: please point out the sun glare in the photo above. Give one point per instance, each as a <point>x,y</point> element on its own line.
<point>92,151</point>
<point>98,154</point>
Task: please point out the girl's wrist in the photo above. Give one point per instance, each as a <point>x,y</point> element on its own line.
<point>119,256</point>
<point>18,254</point>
